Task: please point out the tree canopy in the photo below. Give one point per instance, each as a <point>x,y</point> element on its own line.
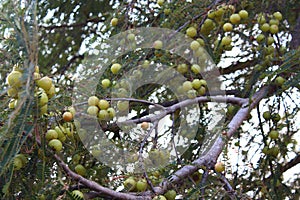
<point>148,99</point>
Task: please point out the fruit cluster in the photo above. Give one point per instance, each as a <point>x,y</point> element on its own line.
<point>100,108</point>
<point>43,92</point>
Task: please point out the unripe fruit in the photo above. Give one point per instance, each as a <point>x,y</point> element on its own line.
<point>195,69</point>
<point>192,94</point>
<point>243,14</point>
<point>130,184</point>
<point>67,116</point>
<point>45,83</point>
<point>51,134</point>
<point>191,32</point>
<point>277,15</point>
<point>146,64</point>
<point>160,2</point>
<point>77,193</point>
<point>270,40</point>
<point>274,151</point>
<point>274,29</point>
<point>36,76</point>
<point>211,14</point>
<point>276,117</point>
<point>187,85</point>
<point>235,18</point>
<point>55,144</point>
<point>157,44</point>
<point>226,41</point>
<point>122,105</point>
<point>103,104</point>
<point>105,83</point>
<point>103,115</point>
<point>261,19</point>
<point>260,38</point>
<point>219,167</point>
<point>131,37</point>
<point>201,91</point>
<point>194,45</point>
<point>14,79</point>
<point>115,68</point>
<point>167,11</point>
<point>141,185</point>
<point>114,21</point>
<point>93,110</point>
<point>51,92</point>
<point>80,169</point>
<point>170,195</point>
<point>93,101</point>
<point>111,113</point>
<point>182,68</point>
<point>72,110</point>
<point>279,81</point>
<point>43,98</point>
<point>265,27</point>
<point>196,83</point>
<point>12,92</point>
<point>267,115</point>
<point>18,163</point>
<point>227,27</point>
<point>159,197</point>
<point>274,22</point>
<point>145,125</point>
<point>274,134</point>
<point>12,104</point>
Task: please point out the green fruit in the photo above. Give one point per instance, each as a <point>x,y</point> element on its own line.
<point>195,69</point>
<point>51,92</point>
<point>274,22</point>
<point>14,79</point>
<point>131,37</point>
<point>170,195</point>
<point>12,92</point>
<point>195,45</point>
<point>141,185</point>
<point>77,193</point>
<point>227,27</point>
<point>219,167</point>
<point>123,105</point>
<point>274,29</point>
<point>182,68</point>
<point>167,11</point>
<point>192,94</point>
<point>105,83</point>
<point>187,85</point>
<point>159,197</point>
<point>235,18</point>
<point>265,27</point>
<point>93,110</point>
<point>115,68</point>
<point>274,134</point>
<point>103,104</point>
<point>114,21</point>
<point>276,117</point>
<point>80,169</point>
<point>243,14</point>
<point>267,115</point>
<point>260,38</point>
<point>274,151</point>
<point>43,98</point>
<point>277,15</point>
<point>130,184</point>
<point>196,83</point>
<point>55,144</point>
<point>111,113</point>
<point>279,81</point>
<point>146,64</point>
<point>93,101</point>
<point>261,19</point>
<point>160,2</point>
<point>270,40</point>
<point>201,91</point>
<point>18,163</point>
<point>51,134</point>
<point>103,115</point>
<point>211,14</point>
<point>157,44</point>
<point>226,41</point>
<point>12,104</point>
<point>191,32</point>
<point>45,83</point>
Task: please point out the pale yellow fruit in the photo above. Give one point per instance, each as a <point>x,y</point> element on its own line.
<point>45,83</point>
<point>14,79</point>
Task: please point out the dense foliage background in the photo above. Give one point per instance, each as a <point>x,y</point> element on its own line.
<point>58,36</point>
